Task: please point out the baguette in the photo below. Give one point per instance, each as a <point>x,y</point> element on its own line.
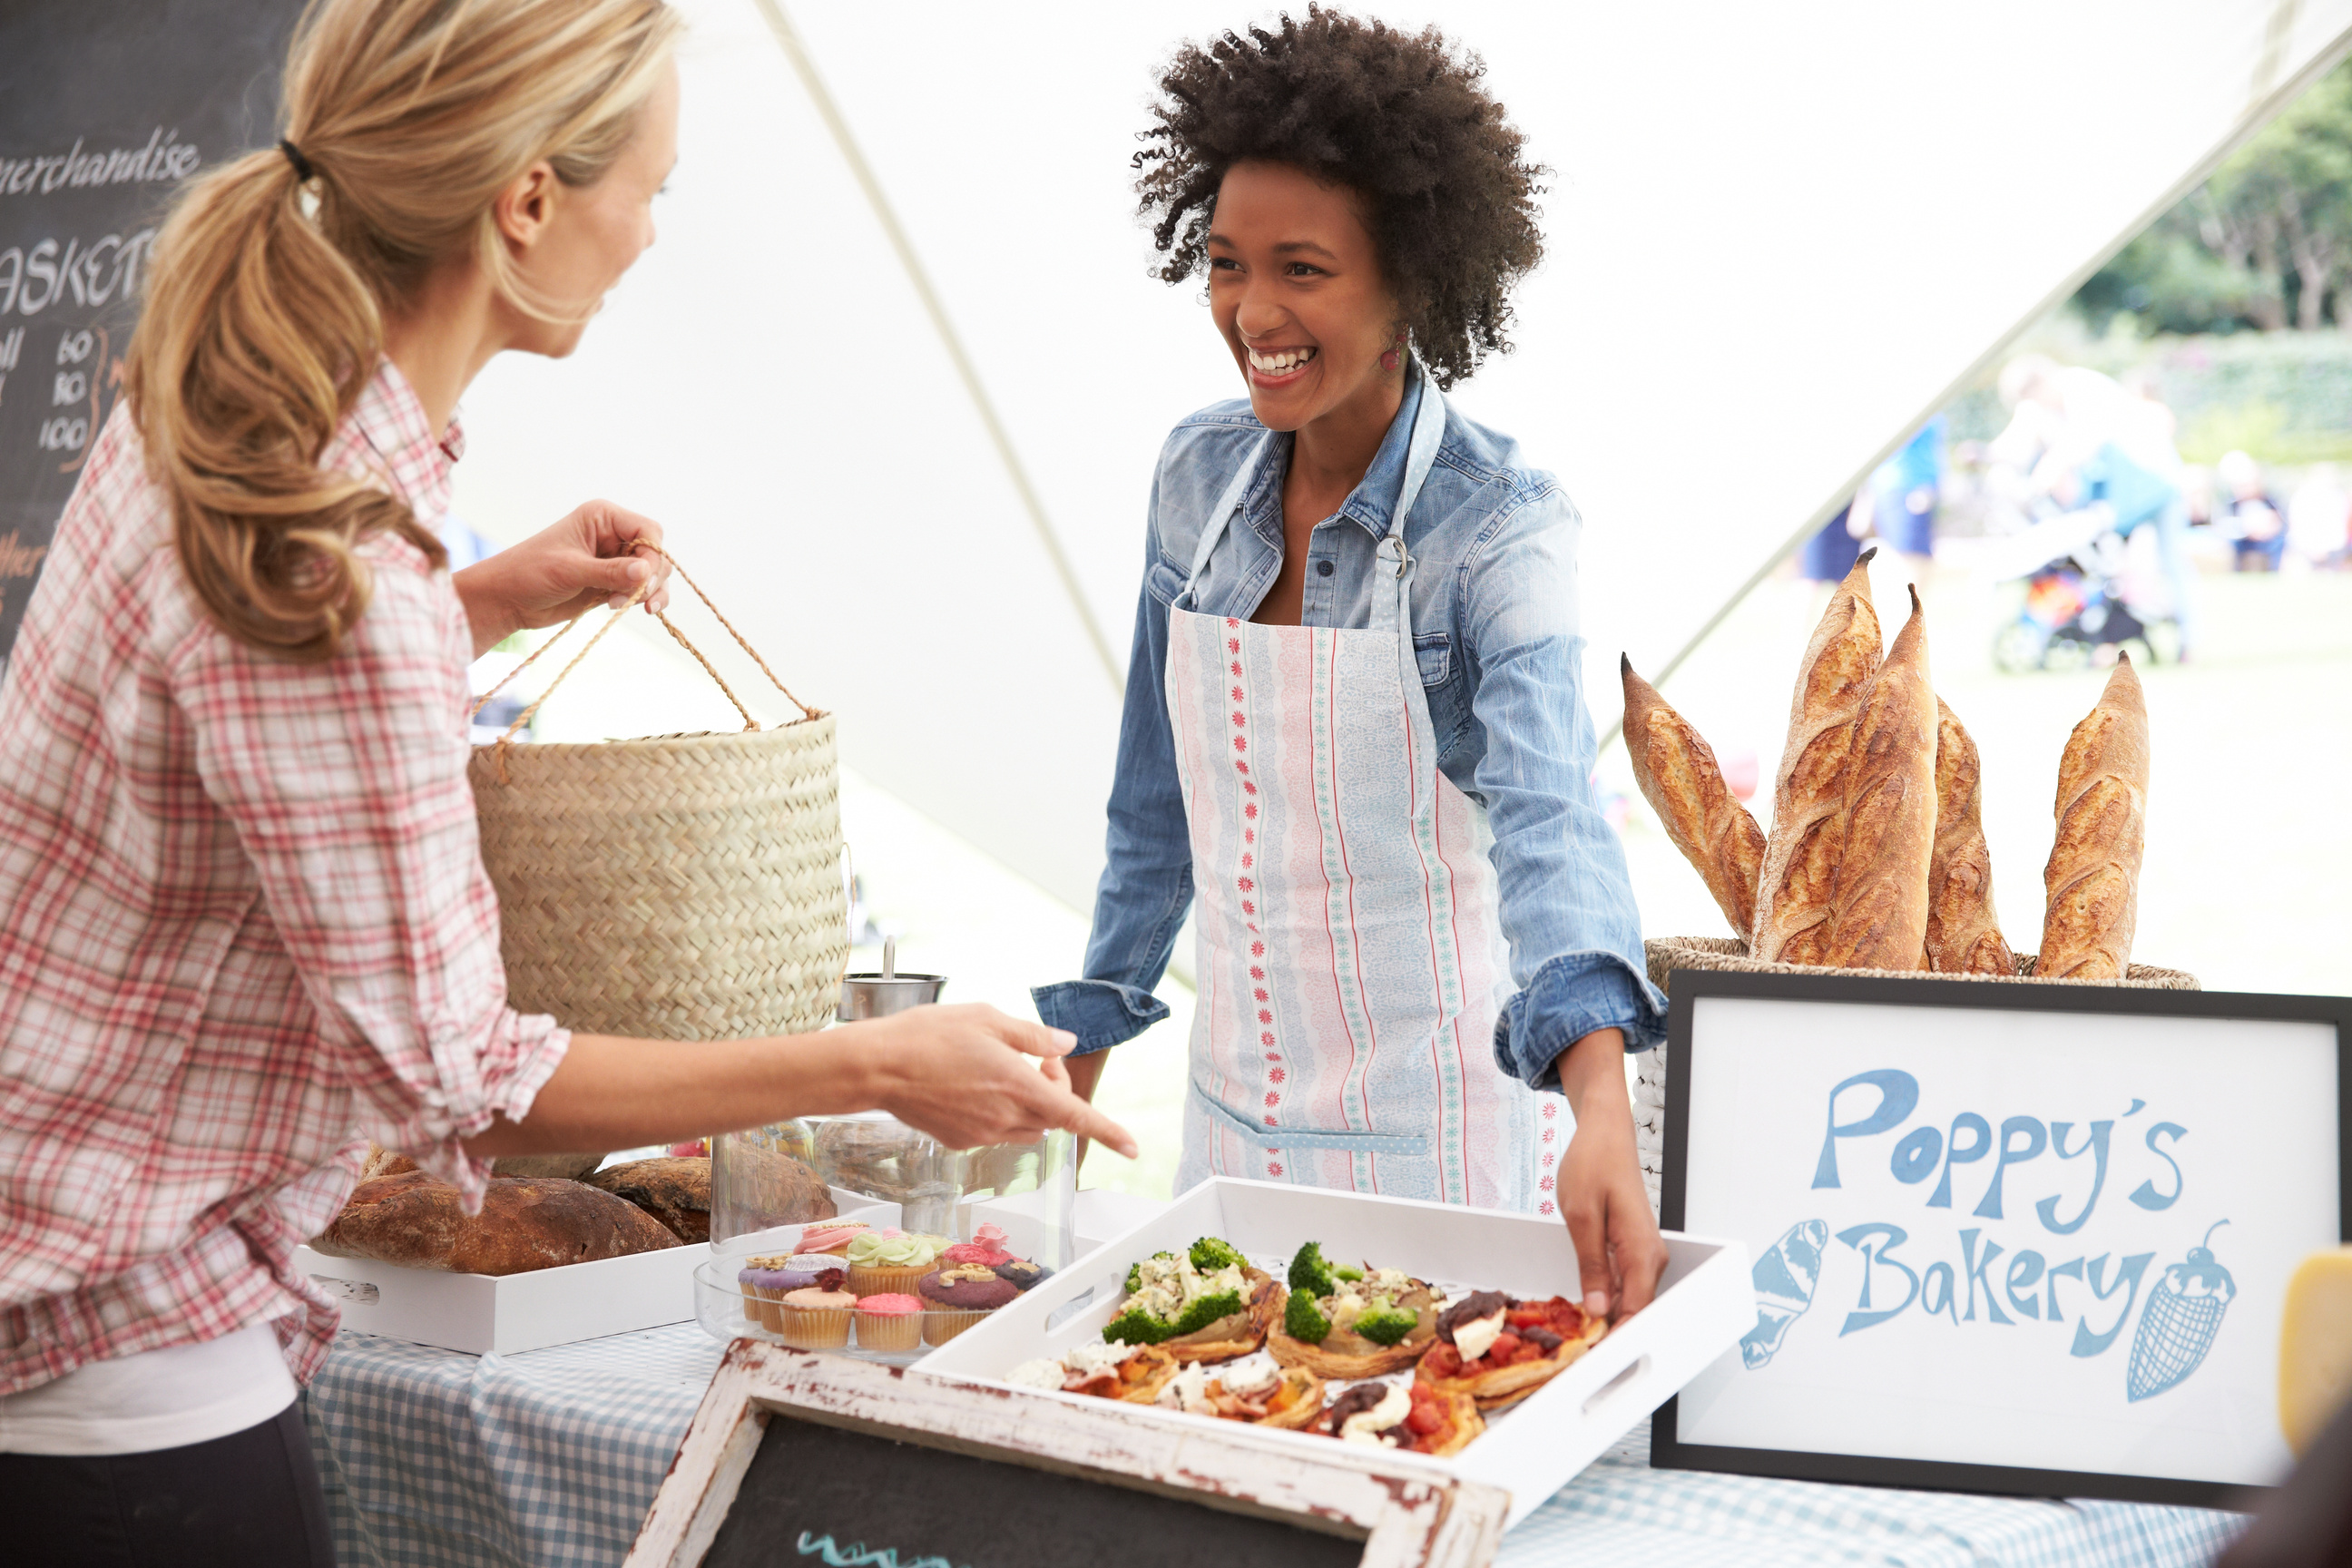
<point>1963,930</point>
<point>1794,886</point>
<point>1878,907</point>
<point>1681,780</point>
<point>2092,877</point>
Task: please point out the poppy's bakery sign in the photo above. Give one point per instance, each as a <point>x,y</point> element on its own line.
<point>2000,1232</point>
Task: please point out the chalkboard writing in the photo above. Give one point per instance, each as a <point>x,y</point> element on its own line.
<point>818,1494</point>
<point>107,107</point>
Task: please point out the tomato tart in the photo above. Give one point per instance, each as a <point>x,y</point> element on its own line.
<point>1498,1350</point>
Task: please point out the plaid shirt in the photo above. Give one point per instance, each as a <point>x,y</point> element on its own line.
<point>244,924</point>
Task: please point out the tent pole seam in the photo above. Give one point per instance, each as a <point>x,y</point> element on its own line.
<point>2259,112</point>
<point>804,66</point>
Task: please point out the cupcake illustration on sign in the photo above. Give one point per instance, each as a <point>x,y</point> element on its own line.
<point>1784,1278</point>
<point>2178,1325</point>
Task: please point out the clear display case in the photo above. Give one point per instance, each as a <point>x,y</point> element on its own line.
<point>891,1176</point>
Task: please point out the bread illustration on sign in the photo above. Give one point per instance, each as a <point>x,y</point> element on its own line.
<point>2092,876</point>
<point>1963,930</point>
<point>1794,889</point>
<point>1884,829</point>
<point>1680,778</point>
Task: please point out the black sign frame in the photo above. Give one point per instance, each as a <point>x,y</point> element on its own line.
<point>1688,987</point>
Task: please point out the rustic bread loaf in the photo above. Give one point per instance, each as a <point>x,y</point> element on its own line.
<point>1963,929</point>
<point>675,1190</point>
<point>764,1187</point>
<point>1794,886</point>
<point>526,1223</point>
<point>384,1161</point>
<point>558,1167</point>
<point>1878,905</point>
<point>2092,877</point>
<point>1681,780</point>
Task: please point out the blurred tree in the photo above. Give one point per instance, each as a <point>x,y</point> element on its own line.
<point>2265,241</point>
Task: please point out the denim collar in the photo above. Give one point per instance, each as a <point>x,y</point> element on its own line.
<point>1371,502</point>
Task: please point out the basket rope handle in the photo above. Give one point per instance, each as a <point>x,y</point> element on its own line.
<point>636,546</point>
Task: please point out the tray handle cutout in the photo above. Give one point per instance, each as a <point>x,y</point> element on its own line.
<point>366,1295</point>
<point>1071,1308</point>
<point>1616,1385</point>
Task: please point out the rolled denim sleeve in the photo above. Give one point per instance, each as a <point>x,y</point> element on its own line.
<point>1566,901</point>
<point>1146,880</point>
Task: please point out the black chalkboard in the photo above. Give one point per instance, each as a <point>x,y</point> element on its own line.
<point>823,1495</point>
<point>106,108</point>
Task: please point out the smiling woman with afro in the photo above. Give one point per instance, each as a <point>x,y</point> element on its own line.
<point>1355,728</point>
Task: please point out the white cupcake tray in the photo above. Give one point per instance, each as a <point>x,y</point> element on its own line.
<point>1704,1302</point>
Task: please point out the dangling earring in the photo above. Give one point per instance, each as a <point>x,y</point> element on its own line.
<point>1391,360</point>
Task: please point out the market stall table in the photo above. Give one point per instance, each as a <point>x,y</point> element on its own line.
<point>551,1457</point>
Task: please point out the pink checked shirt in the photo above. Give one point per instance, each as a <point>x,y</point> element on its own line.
<point>244,925</point>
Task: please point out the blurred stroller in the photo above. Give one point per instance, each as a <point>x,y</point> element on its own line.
<point>2093,578</point>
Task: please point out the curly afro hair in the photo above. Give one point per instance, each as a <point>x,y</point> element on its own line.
<point>1398,117</point>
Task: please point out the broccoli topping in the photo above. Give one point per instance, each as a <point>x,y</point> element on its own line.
<point>1209,1255</point>
<point>1385,1325</point>
<point>1207,1310</point>
<point>1303,1320</point>
<point>1135,1272</point>
<point>1309,1273</point>
<point>1136,1327</point>
<point>1346,1271</point>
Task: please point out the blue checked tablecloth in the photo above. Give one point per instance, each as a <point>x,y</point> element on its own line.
<point>552,1458</point>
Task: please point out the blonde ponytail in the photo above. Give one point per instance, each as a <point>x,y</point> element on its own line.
<point>264,315</point>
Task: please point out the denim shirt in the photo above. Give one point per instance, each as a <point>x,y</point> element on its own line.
<point>1496,634</point>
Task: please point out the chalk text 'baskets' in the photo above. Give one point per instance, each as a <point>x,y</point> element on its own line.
<point>675,887</point>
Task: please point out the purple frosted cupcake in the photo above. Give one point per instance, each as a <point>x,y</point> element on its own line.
<point>959,1296</point>
<point>1020,1273</point>
<point>766,1281</point>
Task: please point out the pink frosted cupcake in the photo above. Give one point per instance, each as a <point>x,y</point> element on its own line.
<point>985,1247</point>
<point>831,1236</point>
<point>889,1322</point>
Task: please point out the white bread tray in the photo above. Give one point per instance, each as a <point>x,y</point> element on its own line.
<point>1704,1303</point>
<point>508,1313</point>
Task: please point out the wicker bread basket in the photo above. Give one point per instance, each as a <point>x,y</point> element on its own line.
<point>1666,954</point>
<point>677,888</point>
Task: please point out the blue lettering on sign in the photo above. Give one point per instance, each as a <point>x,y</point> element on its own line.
<point>1954,1156</point>
<point>2095,1145</point>
<point>2087,1343</point>
<point>2070,1269</point>
<point>1898,1092</point>
<point>1914,1158</point>
<point>857,1554</point>
<point>2036,1140</point>
<point>2024,1272</point>
<point>1972,1268</point>
<point>2146,1194</point>
<point>1875,1242</point>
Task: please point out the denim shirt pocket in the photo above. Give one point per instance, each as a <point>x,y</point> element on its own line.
<point>1164,582</point>
<point>1434,651</point>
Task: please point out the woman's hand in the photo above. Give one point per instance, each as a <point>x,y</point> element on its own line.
<point>565,571</point>
<point>1618,1250</point>
<point>969,1074</point>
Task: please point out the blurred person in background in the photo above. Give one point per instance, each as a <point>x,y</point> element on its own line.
<point>2254,517</point>
<point>2077,438</point>
<point>2319,518</point>
<point>1905,492</point>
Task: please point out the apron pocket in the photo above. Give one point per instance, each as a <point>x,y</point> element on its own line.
<point>1412,1145</point>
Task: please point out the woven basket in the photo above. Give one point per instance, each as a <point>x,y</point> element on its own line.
<point>677,888</point>
<point>1666,954</point>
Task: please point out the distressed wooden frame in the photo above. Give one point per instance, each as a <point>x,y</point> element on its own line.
<point>1407,1516</point>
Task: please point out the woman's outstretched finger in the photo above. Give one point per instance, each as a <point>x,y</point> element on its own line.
<point>1091,1124</point>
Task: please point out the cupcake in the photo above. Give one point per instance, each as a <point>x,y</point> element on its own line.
<point>986,1247</point>
<point>764,1281</point>
<point>832,1236</point>
<point>1020,1273</point>
<point>959,1296</point>
<point>889,1322</point>
<point>816,1319</point>
<point>887,1261</point>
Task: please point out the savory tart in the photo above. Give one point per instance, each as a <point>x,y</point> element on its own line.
<point>1206,1304</point>
<point>1136,1376</point>
<point>1404,1415</point>
<point>1261,1394</point>
<point>1498,1350</point>
<point>1346,1323</point>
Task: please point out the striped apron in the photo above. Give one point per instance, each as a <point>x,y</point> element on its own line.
<point>1350,964</point>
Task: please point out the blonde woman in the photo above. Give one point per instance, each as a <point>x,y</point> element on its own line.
<point>243,920</point>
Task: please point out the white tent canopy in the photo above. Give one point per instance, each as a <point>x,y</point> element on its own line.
<point>1777,236</point>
